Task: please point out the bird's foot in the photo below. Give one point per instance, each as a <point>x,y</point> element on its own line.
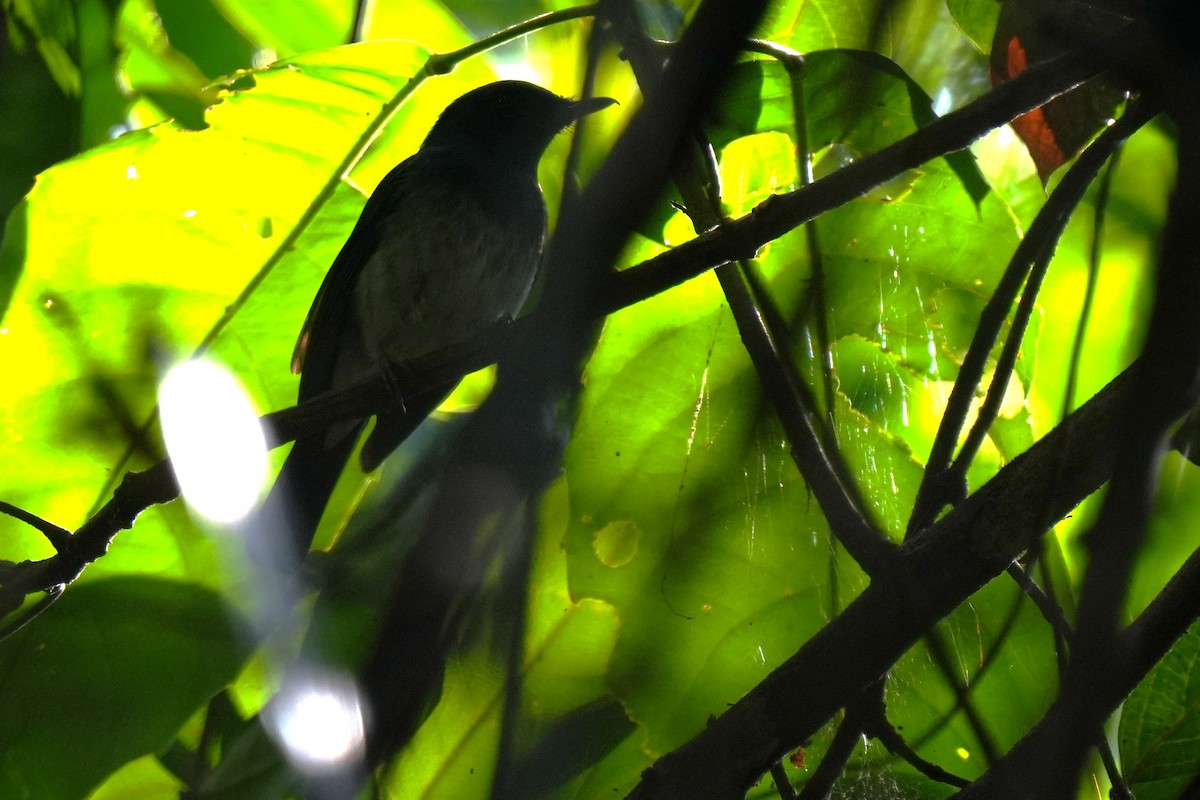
<point>398,380</point>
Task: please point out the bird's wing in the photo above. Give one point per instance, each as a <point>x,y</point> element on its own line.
<point>317,347</point>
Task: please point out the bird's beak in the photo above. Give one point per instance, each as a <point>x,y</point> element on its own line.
<point>589,105</point>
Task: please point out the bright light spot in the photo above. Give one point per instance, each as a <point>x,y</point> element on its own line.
<point>962,753</point>
<point>120,128</point>
<point>943,102</point>
<point>214,440</point>
<point>131,173</point>
<point>191,212</point>
<point>1003,157</point>
<point>519,69</point>
<point>318,721</point>
<point>264,56</point>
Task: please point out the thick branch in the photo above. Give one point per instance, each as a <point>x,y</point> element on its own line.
<point>1146,641</point>
<point>957,556</point>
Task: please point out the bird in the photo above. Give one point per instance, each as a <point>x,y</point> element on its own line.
<point>448,244</point>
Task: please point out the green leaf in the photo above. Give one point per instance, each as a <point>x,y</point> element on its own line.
<point>570,746</point>
<point>809,25</point>
<point>568,645</point>
<point>108,674</point>
<point>289,27</point>
<point>895,259</point>
<point>143,779</point>
<point>199,29</point>
<point>1160,723</point>
<point>1001,649</point>
<point>219,236</point>
<point>51,24</point>
<point>687,514</point>
<point>977,19</point>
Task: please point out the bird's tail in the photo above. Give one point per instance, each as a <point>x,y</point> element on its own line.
<point>297,501</point>
<point>302,490</point>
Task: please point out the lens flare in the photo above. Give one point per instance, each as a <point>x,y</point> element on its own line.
<point>318,721</point>
<point>216,444</point>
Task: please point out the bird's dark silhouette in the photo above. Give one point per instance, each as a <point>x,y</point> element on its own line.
<point>448,244</point>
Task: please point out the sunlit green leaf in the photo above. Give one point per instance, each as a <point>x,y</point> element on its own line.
<point>823,24</point>
<point>196,241</point>
<point>687,515</point>
<point>142,778</point>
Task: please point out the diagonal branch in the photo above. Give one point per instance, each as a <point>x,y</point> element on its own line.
<point>945,477</point>
<point>1146,641</point>
<point>1168,374</point>
<point>777,215</point>
<point>974,543</point>
<point>822,467</point>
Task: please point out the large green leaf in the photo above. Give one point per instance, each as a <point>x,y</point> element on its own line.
<point>919,35</point>
<point>1000,650</point>
<point>687,514</point>
<point>291,27</point>
<point>218,236</point>
<point>1160,724</point>
<point>107,675</point>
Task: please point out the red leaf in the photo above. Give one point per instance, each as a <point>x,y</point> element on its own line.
<point>1054,133</point>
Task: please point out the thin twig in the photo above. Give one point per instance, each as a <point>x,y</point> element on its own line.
<point>880,727</point>
<point>944,482</point>
<point>783,784</point>
<point>833,763</point>
<point>59,537</point>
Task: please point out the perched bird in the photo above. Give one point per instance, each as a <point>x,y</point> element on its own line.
<point>448,244</point>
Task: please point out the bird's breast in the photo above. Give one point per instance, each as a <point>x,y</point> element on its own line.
<point>447,268</point>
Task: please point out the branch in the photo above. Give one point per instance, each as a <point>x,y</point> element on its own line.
<point>741,238</point>
<point>974,543</point>
<point>944,482</point>
<point>1146,641</point>
<point>822,468</point>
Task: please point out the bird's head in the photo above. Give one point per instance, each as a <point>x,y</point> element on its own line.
<point>513,121</point>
